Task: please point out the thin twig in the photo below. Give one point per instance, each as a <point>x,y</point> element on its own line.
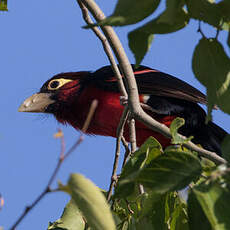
<point>132,134</point>
<point>121,86</point>
<point>149,108</point>
<point>133,98</point>
<point>129,207</point>
<point>89,117</point>
<point>217,33</point>
<point>218,29</point>
<point>127,151</point>
<point>199,29</point>
<point>120,130</point>
<point>62,147</point>
<point>106,47</point>
<point>1,202</point>
<point>62,157</point>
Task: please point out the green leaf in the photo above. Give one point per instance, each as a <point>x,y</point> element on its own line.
<point>179,220</point>
<point>175,125</point>
<point>196,216</point>
<point>163,211</point>
<point>3,5</point>
<point>170,171</point>
<point>148,151</point>
<point>144,223</point>
<point>130,11</point>
<point>208,166</point>
<point>170,201</point>
<point>140,42</point>
<point>172,19</point>
<point>176,212</point>
<point>225,147</point>
<point>171,12</point>
<point>214,201</point>
<point>153,211</point>
<point>224,7</point>
<point>91,202</point>
<point>211,66</point>
<point>71,219</point>
<point>207,11</point>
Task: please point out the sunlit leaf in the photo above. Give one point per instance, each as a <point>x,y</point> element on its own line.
<point>71,219</point>
<point>176,212</point>
<point>175,125</point>
<point>143,156</point>
<point>172,19</point>
<point>170,201</point>
<point>153,149</point>
<point>179,219</point>
<point>64,188</point>
<point>208,166</point>
<point>211,66</point>
<point>214,201</point>
<point>170,171</point>
<point>91,203</point>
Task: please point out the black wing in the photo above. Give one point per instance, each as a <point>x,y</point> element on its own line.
<point>152,82</point>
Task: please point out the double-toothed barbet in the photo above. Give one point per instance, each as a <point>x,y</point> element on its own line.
<point>68,97</point>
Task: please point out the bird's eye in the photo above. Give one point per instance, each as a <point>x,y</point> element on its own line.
<point>57,83</point>
<point>54,84</point>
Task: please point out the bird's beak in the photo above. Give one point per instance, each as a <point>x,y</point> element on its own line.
<point>37,103</point>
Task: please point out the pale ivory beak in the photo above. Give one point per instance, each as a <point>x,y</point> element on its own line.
<point>37,103</point>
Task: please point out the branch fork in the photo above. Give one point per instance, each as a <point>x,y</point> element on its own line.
<point>133,97</point>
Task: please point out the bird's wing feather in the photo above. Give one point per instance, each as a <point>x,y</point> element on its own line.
<point>152,82</point>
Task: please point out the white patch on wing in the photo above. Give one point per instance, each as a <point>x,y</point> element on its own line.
<point>146,98</point>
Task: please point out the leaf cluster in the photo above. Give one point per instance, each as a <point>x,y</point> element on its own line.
<point>181,191</point>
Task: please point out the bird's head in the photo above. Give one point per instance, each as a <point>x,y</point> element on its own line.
<point>56,95</point>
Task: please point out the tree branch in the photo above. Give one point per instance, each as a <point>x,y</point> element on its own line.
<point>122,89</point>
<point>106,47</point>
<point>1,202</point>
<point>133,98</point>
<point>132,133</point>
<point>127,151</point>
<point>120,130</point>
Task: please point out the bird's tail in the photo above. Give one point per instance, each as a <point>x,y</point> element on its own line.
<point>210,137</point>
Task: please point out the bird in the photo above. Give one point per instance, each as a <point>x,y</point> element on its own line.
<point>68,97</point>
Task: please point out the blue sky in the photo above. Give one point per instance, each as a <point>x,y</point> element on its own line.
<point>39,39</point>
